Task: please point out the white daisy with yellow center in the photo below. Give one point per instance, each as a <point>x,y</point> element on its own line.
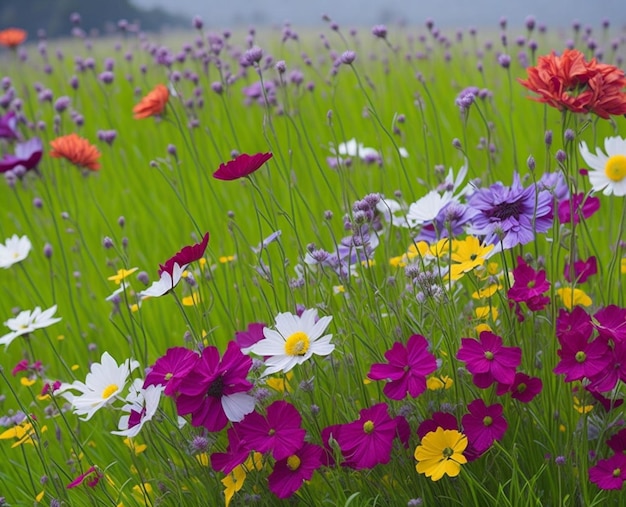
<point>294,341</point>
<point>607,171</point>
<point>104,382</point>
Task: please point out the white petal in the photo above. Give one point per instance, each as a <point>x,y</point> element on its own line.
<point>237,406</point>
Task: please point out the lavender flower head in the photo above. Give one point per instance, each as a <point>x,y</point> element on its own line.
<point>511,215</point>
<point>466,98</point>
<point>8,126</point>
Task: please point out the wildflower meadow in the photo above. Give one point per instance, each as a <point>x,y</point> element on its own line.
<point>373,266</point>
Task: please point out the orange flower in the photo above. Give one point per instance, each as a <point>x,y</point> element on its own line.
<point>12,37</point>
<point>78,150</point>
<point>152,104</point>
<point>569,82</point>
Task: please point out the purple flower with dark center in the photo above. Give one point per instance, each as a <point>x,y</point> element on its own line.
<point>214,391</point>
<point>8,126</point>
<point>27,155</point>
<point>511,215</point>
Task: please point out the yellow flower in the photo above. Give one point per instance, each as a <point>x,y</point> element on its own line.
<point>27,382</point>
<point>39,496</point>
<point>468,255</point>
<point>192,300</point>
<point>224,259</point>
<point>573,297</point>
<point>482,327</point>
<point>121,274</point>
<point>484,312</point>
<point>419,249</point>
<point>486,292</point>
<point>24,433</point>
<point>281,384</point>
<point>443,248</point>
<point>580,408</point>
<point>623,265</point>
<point>233,482</point>
<point>203,459</point>
<point>437,383</point>
<point>136,448</point>
<point>338,289</point>
<point>441,453</point>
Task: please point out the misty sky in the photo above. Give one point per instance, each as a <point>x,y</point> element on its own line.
<point>446,13</point>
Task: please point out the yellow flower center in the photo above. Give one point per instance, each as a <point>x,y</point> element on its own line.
<point>293,462</point>
<point>487,421</point>
<point>297,344</point>
<point>168,376</point>
<point>617,472</point>
<point>109,390</point>
<point>489,355</point>
<point>448,452</point>
<point>368,426</point>
<point>580,356</point>
<point>615,168</point>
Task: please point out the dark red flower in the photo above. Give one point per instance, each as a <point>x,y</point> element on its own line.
<point>581,270</point>
<point>186,256</point>
<point>242,166</point>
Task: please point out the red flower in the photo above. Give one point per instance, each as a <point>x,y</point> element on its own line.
<point>569,82</point>
<point>78,150</point>
<point>12,37</point>
<point>242,166</point>
<point>185,256</point>
<point>91,477</point>
<point>152,104</point>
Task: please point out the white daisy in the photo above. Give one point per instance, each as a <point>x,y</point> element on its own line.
<point>141,405</point>
<point>165,284</point>
<point>14,250</point>
<point>294,340</point>
<point>428,207</point>
<point>607,172</point>
<point>104,382</point>
<point>352,148</point>
<point>27,322</point>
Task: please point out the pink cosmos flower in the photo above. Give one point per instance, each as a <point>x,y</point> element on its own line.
<point>406,369</point>
<point>236,453</point>
<point>615,370</point>
<point>524,387</point>
<point>488,360</point>
<point>443,420</point>
<point>368,441</point>
<point>610,322</point>
<point>241,166</point>
<point>582,270</point>
<point>609,473</point>
<point>253,334</point>
<point>529,286</point>
<point>570,210</point>
<point>214,391</point>
<point>279,431</point>
<point>171,272</point>
<point>170,370</point>
<point>91,477</point>
<point>582,359</point>
<point>484,424</point>
<point>290,473</point>
<point>574,324</point>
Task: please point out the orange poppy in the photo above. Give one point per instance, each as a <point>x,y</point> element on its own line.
<point>78,150</point>
<point>12,37</point>
<point>152,104</point>
<point>569,82</point>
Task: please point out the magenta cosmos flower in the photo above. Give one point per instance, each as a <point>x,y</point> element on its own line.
<point>170,370</point>
<point>581,270</point>
<point>279,431</point>
<point>580,205</point>
<point>488,360</point>
<point>581,358</point>
<point>241,166</point>
<point>289,473</point>
<point>171,272</point>
<point>367,441</point>
<point>610,322</point>
<point>91,478</point>
<point>236,453</point>
<point>609,473</point>
<point>253,334</point>
<point>529,286</point>
<point>214,391</point>
<point>406,369</point>
<point>484,424</point>
<point>524,387</point>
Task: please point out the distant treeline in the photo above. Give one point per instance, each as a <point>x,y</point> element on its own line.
<point>53,16</point>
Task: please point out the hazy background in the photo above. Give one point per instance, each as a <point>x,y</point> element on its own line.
<point>450,13</point>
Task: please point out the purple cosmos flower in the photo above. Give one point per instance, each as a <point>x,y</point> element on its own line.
<point>529,286</point>
<point>484,424</point>
<point>573,326</point>
<point>437,420</point>
<point>607,378</point>
<point>236,453</point>
<point>609,473</point>
<point>555,183</point>
<point>488,360</point>
<point>242,166</point>
<point>367,441</point>
<point>8,126</point>
<point>290,473</point>
<point>278,431</point>
<point>27,154</point>
<point>580,358</point>
<point>610,322</point>
<point>253,334</point>
<point>511,215</point>
<point>571,210</point>
<point>618,442</point>
<point>406,369</point>
<point>524,387</point>
<point>214,392</point>
<point>581,270</point>
<point>91,478</point>
<point>170,370</point>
